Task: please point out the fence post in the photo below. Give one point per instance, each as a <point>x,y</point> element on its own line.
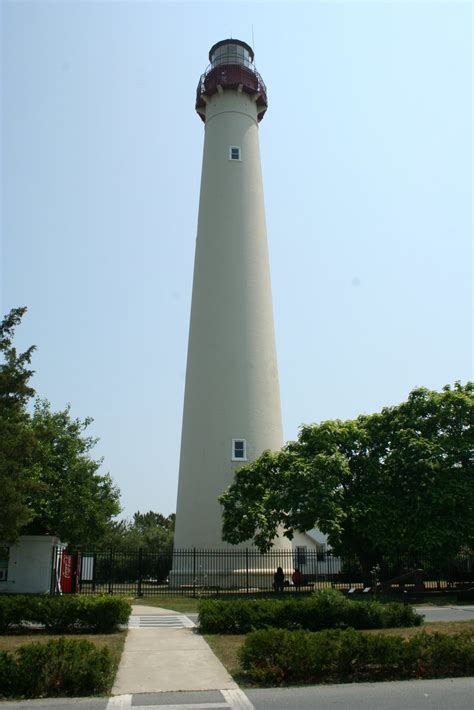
<point>140,572</point>
<point>76,572</point>
<point>54,562</point>
<point>247,568</point>
<point>111,557</point>
<point>94,565</point>
<point>194,571</point>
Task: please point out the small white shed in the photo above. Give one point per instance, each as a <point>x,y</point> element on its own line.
<point>312,557</point>
<point>25,567</point>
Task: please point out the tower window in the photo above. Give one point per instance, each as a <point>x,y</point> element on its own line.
<point>239,450</point>
<point>234,153</point>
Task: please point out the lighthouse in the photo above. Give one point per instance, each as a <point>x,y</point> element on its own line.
<point>232,407</point>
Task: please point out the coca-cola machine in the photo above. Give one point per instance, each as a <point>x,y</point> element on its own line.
<point>70,566</point>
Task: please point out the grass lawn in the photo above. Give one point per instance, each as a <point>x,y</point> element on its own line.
<point>226,647</point>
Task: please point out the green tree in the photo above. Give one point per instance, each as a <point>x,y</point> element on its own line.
<point>401,480</point>
<point>154,530</point>
<point>75,502</point>
<point>151,531</point>
<point>16,440</point>
<point>48,481</point>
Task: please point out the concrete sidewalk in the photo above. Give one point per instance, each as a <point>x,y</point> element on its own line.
<point>163,652</point>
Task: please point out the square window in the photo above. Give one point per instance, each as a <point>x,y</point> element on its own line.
<point>234,153</point>
<point>239,450</point>
<point>4,557</point>
<point>300,556</point>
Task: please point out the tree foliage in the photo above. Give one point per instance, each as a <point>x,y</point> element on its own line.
<point>15,436</point>
<point>49,482</point>
<point>399,481</point>
<point>151,531</point>
<point>74,502</point>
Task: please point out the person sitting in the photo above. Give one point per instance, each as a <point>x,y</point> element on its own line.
<point>297,578</point>
<point>278,580</point>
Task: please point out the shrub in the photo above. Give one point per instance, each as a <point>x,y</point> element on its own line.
<point>99,614</point>
<point>16,608</point>
<point>65,613</point>
<point>104,614</point>
<point>61,613</point>
<point>323,610</point>
<point>440,655</point>
<point>6,673</point>
<point>279,656</point>
<point>5,614</point>
<point>58,667</point>
<point>401,615</point>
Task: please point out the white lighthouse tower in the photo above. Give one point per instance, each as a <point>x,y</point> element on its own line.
<point>232,401</point>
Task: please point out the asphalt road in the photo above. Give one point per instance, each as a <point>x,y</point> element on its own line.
<point>447,613</point>
<point>445,694</point>
<point>57,704</point>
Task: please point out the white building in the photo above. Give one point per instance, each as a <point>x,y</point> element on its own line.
<point>25,567</point>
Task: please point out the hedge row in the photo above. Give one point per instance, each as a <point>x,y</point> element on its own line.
<point>65,613</point>
<point>278,656</point>
<point>327,609</point>
<point>58,667</point>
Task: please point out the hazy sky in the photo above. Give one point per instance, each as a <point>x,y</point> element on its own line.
<point>367,162</point>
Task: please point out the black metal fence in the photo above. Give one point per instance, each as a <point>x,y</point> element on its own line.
<point>197,572</point>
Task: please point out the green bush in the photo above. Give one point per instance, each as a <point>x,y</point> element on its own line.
<point>279,656</point>
<point>59,667</point>
<point>106,613</point>
<point>98,614</point>
<point>328,609</point>
<point>6,673</point>
<point>66,613</point>
<point>5,614</point>
<point>14,609</point>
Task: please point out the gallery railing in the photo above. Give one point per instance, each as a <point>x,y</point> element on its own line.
<point>195,572</point>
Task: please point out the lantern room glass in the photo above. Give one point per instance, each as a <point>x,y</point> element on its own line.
<point>231,54</point>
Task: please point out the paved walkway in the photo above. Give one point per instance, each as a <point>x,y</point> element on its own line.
<point>164,653</point>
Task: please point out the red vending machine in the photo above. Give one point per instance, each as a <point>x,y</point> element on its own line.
<point>70,572</point>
